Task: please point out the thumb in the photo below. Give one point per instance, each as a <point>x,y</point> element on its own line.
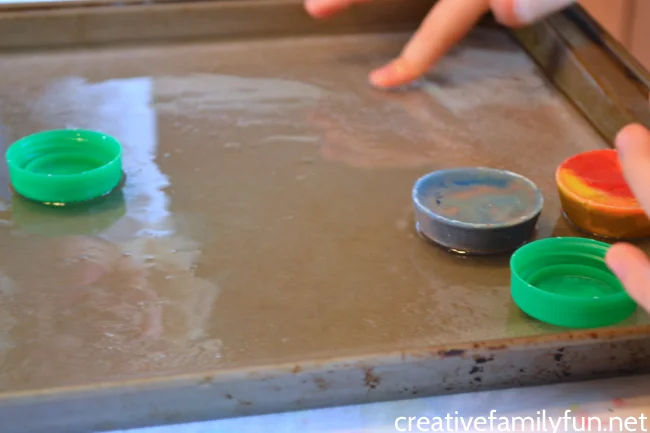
<point>632,267</point>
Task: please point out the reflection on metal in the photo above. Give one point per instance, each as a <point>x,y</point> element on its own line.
<point>595,73</point>
<point>281,189</point>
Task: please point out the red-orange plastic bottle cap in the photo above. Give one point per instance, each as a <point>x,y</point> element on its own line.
<point>596,197</point>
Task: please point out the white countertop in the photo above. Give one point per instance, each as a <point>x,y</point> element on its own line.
<point>605,405</point>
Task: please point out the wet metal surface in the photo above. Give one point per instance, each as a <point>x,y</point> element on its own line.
<point>266,219</point>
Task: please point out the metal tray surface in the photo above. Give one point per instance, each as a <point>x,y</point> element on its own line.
<point>261,254</point>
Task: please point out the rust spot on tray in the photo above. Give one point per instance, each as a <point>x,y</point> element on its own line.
<point>371,380</point>
<point>321,383</point>
<point>297,369</point>
<point>207,380</point>
<point>499,347</point>
<point>483,359</point>
<point>466,350</point>
<point>245,403</point>
<point>451,353</point>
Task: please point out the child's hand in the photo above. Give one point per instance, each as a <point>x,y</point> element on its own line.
<point>629,263</point>
<point>447,23</point>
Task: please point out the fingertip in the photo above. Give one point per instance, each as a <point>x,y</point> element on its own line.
<point>617,257</point>
<point>381,78</point>
<point>325,8</point>
<point>320,9</point>
<point>632,267</point>
<point>504,12</point>
<point>633,147</point>
<point>315,11</point>
<point>394,74</point>
<point>311,7</point>
<point>631,137</point>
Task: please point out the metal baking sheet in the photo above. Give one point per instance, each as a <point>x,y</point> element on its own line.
<point>261,255</point>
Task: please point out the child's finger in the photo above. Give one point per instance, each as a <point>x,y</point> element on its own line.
<point>444,26</point>
<point>632,267</point>
<point>325,8</point>
<point>629,263</point>
<point>633,144</point>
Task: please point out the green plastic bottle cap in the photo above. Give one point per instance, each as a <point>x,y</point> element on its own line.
<point>65,166</point>
<point>566,282</point>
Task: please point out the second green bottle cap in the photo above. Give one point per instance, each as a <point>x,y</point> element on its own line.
<point>566,282</point>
